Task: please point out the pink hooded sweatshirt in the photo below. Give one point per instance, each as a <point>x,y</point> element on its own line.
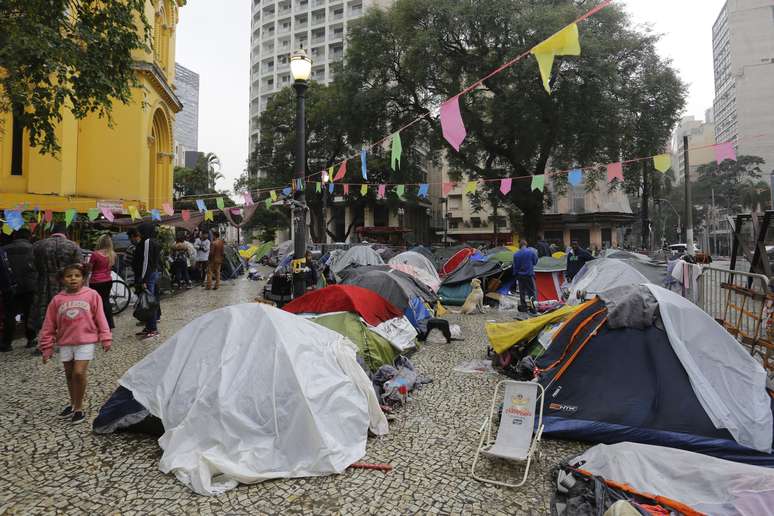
<point>74,319</point>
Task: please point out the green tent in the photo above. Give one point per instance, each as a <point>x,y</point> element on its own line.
<point>375,349</point>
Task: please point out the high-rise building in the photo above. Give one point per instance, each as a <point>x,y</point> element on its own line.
<point>743,53</point>
<point>281,26</point>
<point>701,138</point>
<point>187,121</point>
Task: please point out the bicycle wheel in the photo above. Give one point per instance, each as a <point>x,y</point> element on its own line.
<point>120,296</point>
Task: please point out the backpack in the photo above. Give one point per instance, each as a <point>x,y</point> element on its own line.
<point>180,257</point>
<point>8,283</point>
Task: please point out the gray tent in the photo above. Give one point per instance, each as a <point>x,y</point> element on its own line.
<point>358,255</point>
<point>395,286</point>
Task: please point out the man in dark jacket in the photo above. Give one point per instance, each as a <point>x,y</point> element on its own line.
<point>147,267</point>
<point>576,259</point>
<point>524,261</point>
<point>22,263</point>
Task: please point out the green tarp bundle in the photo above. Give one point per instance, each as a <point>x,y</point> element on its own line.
<point>375,349</point>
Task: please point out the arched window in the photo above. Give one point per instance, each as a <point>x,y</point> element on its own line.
<point>161,35</point>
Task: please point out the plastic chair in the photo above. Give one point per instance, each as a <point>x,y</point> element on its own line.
<point>515,439</point>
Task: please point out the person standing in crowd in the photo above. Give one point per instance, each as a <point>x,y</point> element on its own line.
<point>134,239</point>
<point>524,261</point>
<point>311,275</point>
<point>543,249</point>
<point>51,255</point>
<point>75,322</point>
<point>191,255</point>
<point>180,263</point>
<point>217,253</point>
<point>147,263</point>
<point>102,260</point>
<point>202,246</point>
<point>21,264</point>
<point>576,259</point>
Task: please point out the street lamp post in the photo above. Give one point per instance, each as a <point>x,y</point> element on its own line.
<point>300,69</point>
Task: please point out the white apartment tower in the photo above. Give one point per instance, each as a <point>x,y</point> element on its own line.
<point>282,26</point>
<point>743,54</point>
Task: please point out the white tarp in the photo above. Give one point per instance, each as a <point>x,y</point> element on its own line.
<point>399,332</point>
<point>600,275</point>
<point>249,393</point>
<point>706,484</point>
<point>360,255</point>
<point>729,383</point>
<point>421,268</point>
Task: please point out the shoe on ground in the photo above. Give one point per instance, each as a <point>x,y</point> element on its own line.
<point>150,335</point>
<point>141,333</point>
<point>214,288</point>
<point>5,349</point>
<point>78,417</point>
<point>66,413</point>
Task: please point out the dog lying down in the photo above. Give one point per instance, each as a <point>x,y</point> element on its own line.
<point>475,300</point>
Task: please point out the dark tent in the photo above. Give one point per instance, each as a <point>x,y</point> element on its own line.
<point>408,283</point>
<point>610,380</point>
<point>424,251</point>
<point>442,254</point>
<point>456,286</point>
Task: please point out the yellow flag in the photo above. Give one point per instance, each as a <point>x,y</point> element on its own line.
<point>363,189</point>
<point>662,162</point>
<point>134,213</point>
<point>208,215</point>
<point>273,195</point>
<point>563,43</point>
<point>7,229</point>
<point>470,187</point>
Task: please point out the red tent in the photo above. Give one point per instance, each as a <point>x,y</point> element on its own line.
<point>372,307</point>
<point>456,260</point>
<point>549,285</point>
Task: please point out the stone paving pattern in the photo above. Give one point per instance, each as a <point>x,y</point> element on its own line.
<point>50,467</point>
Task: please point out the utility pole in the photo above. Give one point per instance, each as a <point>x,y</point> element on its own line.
<point>688,203</point>
<point>644,208</point>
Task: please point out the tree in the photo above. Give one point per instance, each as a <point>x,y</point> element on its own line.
<point>735,184</point>
<point>67,54</point>
<point>188,183</point>
<point>617,99</point>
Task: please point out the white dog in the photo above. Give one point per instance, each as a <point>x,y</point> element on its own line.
<point>475,300</point>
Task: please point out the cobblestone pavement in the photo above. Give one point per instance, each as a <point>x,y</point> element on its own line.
<point>48,466</point>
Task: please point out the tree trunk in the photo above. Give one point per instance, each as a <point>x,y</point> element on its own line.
<point>645,221</point>
<point>531,205</point>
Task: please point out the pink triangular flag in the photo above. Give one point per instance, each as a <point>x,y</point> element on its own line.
<point>724,151</point>
<point>615,171</point>
<point>248,199</point>
<point>186,215</point>
<point>33,225</point>
<point>452,124</point>
<point>49,215</point>
<point>168,209</point>
<point>505,185</point>
<point>108,214</point>
<point>341,172</point>
<point>346,189</point>
<point>382,190</point>
<point>447,187</point>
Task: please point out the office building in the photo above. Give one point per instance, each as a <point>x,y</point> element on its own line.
<point>187,121</point>
<point>743,54</point>
<point>701,138</point>
<point>281,26</point>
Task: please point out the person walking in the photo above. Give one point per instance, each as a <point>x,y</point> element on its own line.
<point>180,262</point>
<point>191,257</point>
<point>576,259</point>
<point>75,323</point>
<point>147,263</point>
<point>217,253</point>
<point>202,246</point>
<point>51,255</point>
<point>524,261</point>
<point>102,260</point>
<point>19,300</point>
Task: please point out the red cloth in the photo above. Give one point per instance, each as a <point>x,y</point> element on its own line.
<point>372,307</point>
<point>457,260</point>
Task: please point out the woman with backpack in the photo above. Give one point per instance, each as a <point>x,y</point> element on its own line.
<point>180,263</point>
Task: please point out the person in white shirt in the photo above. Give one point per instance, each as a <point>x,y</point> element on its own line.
<point>202,246</point>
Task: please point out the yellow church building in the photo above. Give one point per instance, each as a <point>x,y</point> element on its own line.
<point>128,164</point>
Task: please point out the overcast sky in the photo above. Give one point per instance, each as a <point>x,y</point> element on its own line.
<point>213,39</point>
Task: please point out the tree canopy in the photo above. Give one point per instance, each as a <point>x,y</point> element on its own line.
<point>67,54</point>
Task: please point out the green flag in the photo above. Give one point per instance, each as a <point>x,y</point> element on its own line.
<point>69,216</point>
<point>268,202</point>
<point>219,202</point>
<point>538,182</point>
<point>397,150</point>
<point>318,187</point>
<point>400,190</point>
<point>93,213</point>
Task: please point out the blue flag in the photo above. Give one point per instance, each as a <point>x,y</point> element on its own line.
<point>330,187</point>
<point>422,190</point>
<point>200,205</point>
<point>575,177</point>
<point>155,215</point>
<point>363,167</point>
<point>286,191</point>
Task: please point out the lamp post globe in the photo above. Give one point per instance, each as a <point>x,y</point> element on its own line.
<point>300,69</point>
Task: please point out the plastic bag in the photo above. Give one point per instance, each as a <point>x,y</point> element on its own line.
<point>146,307</point>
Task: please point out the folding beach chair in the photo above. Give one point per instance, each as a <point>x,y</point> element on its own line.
<point>515,440</point>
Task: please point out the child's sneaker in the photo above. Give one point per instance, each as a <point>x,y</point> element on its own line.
<point>66,413</point>
<point>78,417</point>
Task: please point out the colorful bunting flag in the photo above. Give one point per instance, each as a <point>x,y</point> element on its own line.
<point>451,123</point>
<point>324,176</point>
<point>505,185</point>
<point>33,226</point>
<point>470,187</point>
<point>93,213</point>
<point>330,173</point>
<point>346,188</point>
<point>49,216</point>
<point>615,171</point>
<point>208,215</point>
<point>662,162</point>
<point>200,205</point>
<point>169,210</point>
<point>155,214</point>
<point>7,229</point>
<point>273,195</point>
<point>69,216</point>
<point>563,43</point>
<point>248,198</point>
<point>318,187</point>
<point>330,188</point>
<point>342,171</point>
<point>397,150</point>
<point>381,192</point>
<point>724,151</point>
<point>447,187</point>
<point>14,219</point>
<point>363,167</point>
<point>423,190</point>
<point>108,214</point>
<point>538,183</point>
<point>267,202</point>
<point>134,213</point>
<point>186,215</point>
<point>219,203</point>
<point>575,177</point>
<point>38,215</point>
<point>400,190</point>
<point>286,191</point>
<point>363,189</point>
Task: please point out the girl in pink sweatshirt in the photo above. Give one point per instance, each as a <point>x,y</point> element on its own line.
<point>75,323</point>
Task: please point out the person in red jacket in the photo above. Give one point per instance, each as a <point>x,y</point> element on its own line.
<point>75,322</point>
